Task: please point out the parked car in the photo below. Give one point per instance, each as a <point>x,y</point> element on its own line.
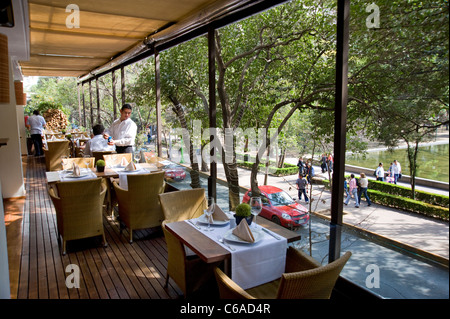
<point>174,172</point>
<point>279,207</point>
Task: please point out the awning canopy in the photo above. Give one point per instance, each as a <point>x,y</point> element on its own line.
<point>110,29</point>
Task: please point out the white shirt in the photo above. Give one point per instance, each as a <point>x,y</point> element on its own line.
<point>380,171</point>
<point>97,144</point>
<point>364,182</point>
<point>36,122</point>
<point>123,132</point>
<point>397,169</point>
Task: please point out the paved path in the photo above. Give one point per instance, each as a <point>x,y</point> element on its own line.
<point>419,231</point>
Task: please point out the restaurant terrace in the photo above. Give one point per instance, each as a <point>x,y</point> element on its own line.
<point>142,237</point>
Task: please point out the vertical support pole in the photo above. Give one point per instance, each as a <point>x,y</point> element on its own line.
<point>158,103</point>
<point>84,105</point>
<point>122,84</point>
<point>98,100</point>
<point>341,97</point>
<point>79,103</point>
<point>90,102</point>
<point>113,75</point>
<point>212,180</point>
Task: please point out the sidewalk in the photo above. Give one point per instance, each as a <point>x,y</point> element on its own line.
<point>421,232</point>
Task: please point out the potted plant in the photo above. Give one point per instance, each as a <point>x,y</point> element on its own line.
<point>100,165</point>
<point>243,210</point>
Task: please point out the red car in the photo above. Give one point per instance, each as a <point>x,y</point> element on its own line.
<point>279,207</point>
<point>174,172</point>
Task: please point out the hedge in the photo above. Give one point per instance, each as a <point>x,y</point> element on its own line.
<point>393,189</point>
<point>288,169</point>
<point>408,204</point>
<point>404,202</point>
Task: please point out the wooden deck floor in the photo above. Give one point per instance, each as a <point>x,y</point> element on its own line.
<point>119,271</point>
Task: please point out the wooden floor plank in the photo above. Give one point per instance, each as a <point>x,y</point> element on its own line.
<point>119,271</point>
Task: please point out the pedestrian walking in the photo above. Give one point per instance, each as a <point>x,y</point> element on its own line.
<point>301,166</point>
<point>397,170</point>
<point>347,194</point>
<point>364,185</point>
<point>379,172</point>
<point>323,166</point>
<point>353,191</point>
<point>309,172</point>
<point>302,187</point>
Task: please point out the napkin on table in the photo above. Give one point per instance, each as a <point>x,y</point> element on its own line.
<point>124,162</point>
<point>219,214</point>
<point>76,170</point>
<point>130,167</point>
<point>243,232</point>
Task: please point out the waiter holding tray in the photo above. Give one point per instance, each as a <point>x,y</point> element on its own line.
<point>122,132</point>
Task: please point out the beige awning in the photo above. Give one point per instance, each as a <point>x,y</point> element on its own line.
<point>108,28</point>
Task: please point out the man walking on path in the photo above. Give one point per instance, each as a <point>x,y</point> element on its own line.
<point>379,172</point>
<point>301,186</point>
<point>397,169</point>
<point>36,124</point>
<point>364,184</point>
<point>353,191</point>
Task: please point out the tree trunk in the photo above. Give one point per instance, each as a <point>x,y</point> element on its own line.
<point>231,173</point>
<point>195,177</point>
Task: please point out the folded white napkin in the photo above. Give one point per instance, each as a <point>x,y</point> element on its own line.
<point>130,167</point>
<point>76,170</point>
<point>243,231</point>
<point>219,214</point>
<point>124,162</point>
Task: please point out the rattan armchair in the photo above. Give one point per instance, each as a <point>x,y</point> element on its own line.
<point>304,278</point>
<point>53,153</point>
<point>139,206</point>
<point>98,155</point>
<point>183,204</point>
<point>78,207</point>
<point>67,163</point>
<point>189,273</point>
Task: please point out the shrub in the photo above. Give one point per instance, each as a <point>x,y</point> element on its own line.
<point>100,163</point>
<point>393,189</point>
<point>409,204</point>
<point>243,210</point>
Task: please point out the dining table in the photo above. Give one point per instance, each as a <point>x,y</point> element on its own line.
<point>248,264</point>
<point>115,173</point>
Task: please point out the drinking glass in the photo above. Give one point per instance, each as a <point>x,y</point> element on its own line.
<point>87,160</point>
<point>62,161</point>
<point>256,207</point>
<point>209,211</point>
<point>137,156</point>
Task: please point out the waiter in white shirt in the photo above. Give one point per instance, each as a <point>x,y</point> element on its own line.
<point>36,124</point>
<point>123,131</point>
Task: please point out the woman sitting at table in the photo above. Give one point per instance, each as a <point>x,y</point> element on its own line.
<point>97,143</point>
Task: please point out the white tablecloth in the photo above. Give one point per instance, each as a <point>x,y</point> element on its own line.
<point>123,175</point>
<point>252,264</point>
<point>66,175</point>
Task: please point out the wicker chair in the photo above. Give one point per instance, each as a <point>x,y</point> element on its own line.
<point>139,207</point>
<point>116,159</point>
<point>53,154</point>
<point>304,278</point>
<point>98,155</point>
<point>67,163</point>
<point>183,205</point>
<point>78,208</point>
<point>189,273</point>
